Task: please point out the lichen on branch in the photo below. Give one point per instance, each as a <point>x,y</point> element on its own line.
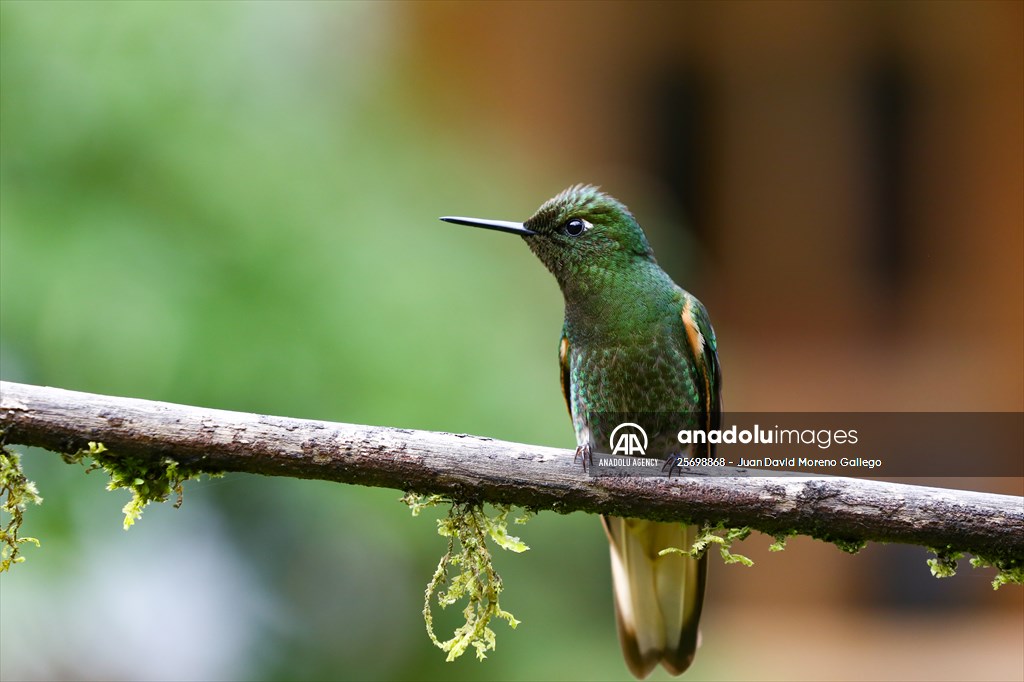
<point>467,527</point>
<point>1009,571</point>
<point>719,535</point>
<point>17,492</point>
<point>146,480</point>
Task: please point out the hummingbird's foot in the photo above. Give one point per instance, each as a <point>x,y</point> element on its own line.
<point>583,453</point>
<point>671,463</point>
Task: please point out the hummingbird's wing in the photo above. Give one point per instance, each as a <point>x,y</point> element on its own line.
<point>659,599</point>
<point>563,367</point>
<point>700,339</point>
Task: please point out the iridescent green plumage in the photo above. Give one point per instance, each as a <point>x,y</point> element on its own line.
<point>632,342</point>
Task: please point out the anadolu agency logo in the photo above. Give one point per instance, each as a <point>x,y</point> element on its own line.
<point>628,439</point>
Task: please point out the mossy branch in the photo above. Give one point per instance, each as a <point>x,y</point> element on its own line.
<point>848,512</point>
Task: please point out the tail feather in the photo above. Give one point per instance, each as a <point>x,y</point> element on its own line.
<point>658,599</point>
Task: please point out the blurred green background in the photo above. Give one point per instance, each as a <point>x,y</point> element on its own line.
<point>235,205</point>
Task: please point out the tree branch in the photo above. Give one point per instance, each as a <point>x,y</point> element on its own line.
<point>473,468</point>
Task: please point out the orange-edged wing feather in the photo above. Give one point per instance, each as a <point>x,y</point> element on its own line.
<point>563,366</point>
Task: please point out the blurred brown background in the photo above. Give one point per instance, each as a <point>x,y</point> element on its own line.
<point>244,197</point>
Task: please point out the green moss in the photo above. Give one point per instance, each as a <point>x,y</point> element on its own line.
<point>848,546</point>
<point>467,528</point>
<point>17,492</point>
<point>1011,571</point>
<point>716,535</point>
<point>146,480</point>
<point>944,563</point>
<point>780,541</point>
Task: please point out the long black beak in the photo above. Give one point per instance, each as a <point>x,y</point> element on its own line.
<point>499,225</point>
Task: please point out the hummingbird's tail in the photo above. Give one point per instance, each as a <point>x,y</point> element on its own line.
<point>658,599</point>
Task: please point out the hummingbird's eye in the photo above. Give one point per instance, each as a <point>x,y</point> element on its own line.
<point>576,227</point>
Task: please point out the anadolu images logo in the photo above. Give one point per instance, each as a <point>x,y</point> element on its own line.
<point>631,441</point>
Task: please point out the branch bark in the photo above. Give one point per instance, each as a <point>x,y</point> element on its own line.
<point>474,468</point>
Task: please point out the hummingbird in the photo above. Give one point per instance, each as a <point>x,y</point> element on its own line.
<point>632,341</point>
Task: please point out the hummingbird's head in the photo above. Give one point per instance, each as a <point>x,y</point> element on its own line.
<point>582,235</point>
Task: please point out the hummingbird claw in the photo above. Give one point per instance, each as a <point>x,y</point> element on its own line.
<point>671,463</point>
<point>583,453</point>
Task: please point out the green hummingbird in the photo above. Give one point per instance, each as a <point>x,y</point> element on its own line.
<point>632,342</point>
